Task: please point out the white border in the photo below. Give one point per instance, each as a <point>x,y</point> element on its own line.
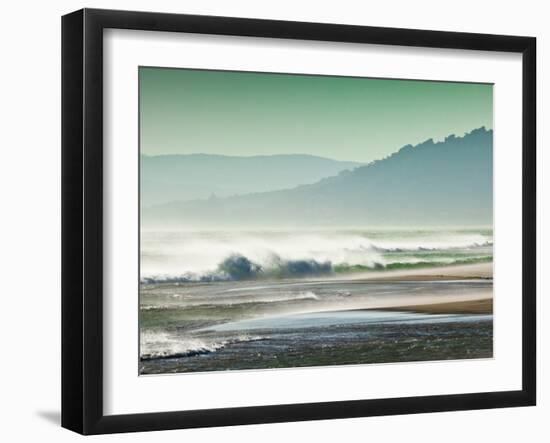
<point>125,392</point>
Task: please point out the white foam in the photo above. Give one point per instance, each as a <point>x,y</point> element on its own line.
<point>162,344</point>
<point>195,255</point>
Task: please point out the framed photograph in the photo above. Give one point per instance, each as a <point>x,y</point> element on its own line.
<point>269,221</point>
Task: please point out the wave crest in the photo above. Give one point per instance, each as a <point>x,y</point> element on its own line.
<point>241,268</point>
<point>162,345</point>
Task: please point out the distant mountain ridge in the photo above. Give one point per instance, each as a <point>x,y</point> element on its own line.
<point>444,183</point>
<point>169,178</point>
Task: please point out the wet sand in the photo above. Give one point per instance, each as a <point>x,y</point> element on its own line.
<point>482,306</point>
<point>483,271</point>
<point>453,272</point>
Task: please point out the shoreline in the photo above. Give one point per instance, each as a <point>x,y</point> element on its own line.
<point>475,271</point>
<point>478,306</point>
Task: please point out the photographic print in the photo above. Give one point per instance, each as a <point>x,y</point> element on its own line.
<point>292,220</point>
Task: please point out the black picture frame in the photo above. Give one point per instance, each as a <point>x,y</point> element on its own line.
<point>82,219</point>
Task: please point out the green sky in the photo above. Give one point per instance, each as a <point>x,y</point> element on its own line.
<point>236,113</point>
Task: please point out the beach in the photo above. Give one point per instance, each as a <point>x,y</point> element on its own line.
<point>451,272</point>
<point>439,313</point>
<point>461,272</point>
<point>263,245</point>
<point>479,306</point>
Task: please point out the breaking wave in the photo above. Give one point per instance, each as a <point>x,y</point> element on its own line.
<point>237,268</point>
<point>184,257</point>
<point>474,245</point>
<point>252,297</point>
<point>163,345</point>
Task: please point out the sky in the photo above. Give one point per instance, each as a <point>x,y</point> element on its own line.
<point>185,111</point>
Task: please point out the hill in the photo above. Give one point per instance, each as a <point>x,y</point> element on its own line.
<point>431,184</point>
<point>169,178</point>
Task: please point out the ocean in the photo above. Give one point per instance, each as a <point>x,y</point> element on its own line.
<point>260,299</point>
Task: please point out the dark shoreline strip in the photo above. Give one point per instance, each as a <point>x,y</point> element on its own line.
<point>482,306</point>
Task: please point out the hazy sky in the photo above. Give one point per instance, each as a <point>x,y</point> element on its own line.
<point>236,113</point>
